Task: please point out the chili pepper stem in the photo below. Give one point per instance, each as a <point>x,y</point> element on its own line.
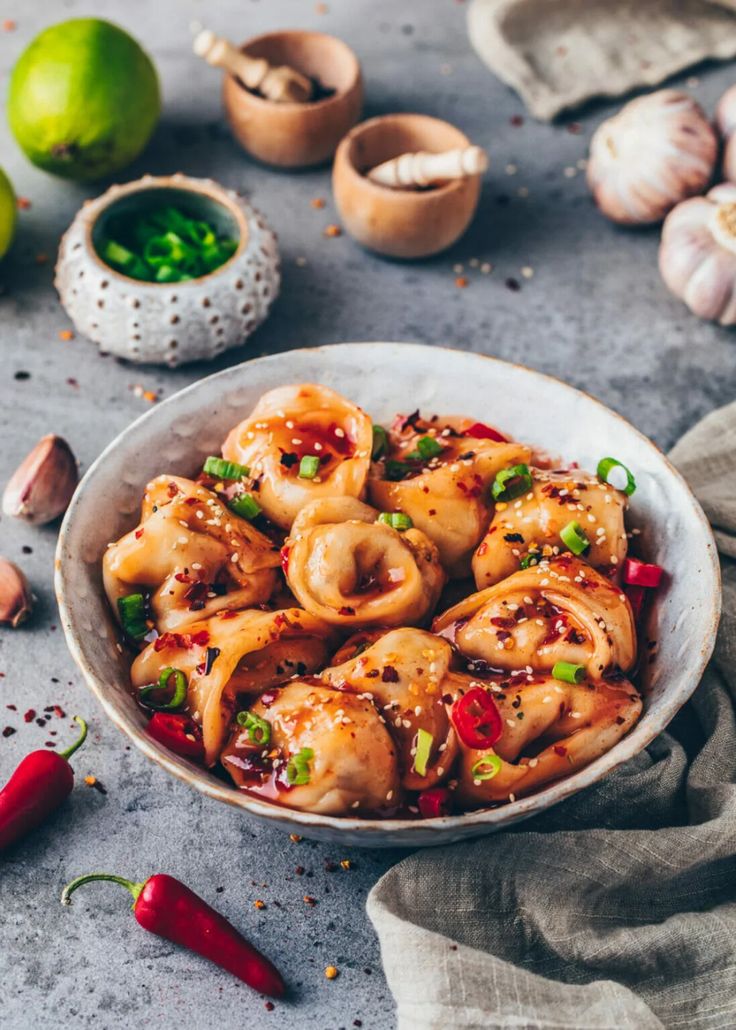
<point>80,740</point>
<point>134,888</point>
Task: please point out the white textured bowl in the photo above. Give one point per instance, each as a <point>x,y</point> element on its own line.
<point>385,378</point>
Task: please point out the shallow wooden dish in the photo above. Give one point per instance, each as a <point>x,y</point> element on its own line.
<point>176,435</point>
<point>297,135</point>
<point>401,223</point>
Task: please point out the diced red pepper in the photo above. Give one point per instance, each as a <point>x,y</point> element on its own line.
<point>434,803</point>
<point>480,431</point>
<point>640,574</point>
<point>636,596</point>
<point>477,719</point>
<point>178,733</point>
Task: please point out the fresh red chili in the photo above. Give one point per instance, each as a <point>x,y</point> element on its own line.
<point>477,719</point>
<point>168,908</point>
<point>480,431</point>
<point>36,789</point>
<point>434,803</point>
<point>179,733</point>
<point>636,596</point>
<point>640,574</point>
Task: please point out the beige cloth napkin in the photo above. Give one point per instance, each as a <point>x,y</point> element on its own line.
<point>558,53</point>
<point>617,908</point>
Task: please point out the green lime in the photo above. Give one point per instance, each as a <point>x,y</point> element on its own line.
<point>84,99</point>
<point>7,213</point>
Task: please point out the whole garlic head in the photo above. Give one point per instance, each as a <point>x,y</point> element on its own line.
<point>41,487</point>
<point>726,121</point>
<point>697,255</point>
<point>658,150</point>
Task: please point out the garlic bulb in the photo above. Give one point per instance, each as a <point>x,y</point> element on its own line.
<point>658,150</point>
<point>41,487</point>
<point>726,121</point>
<point>16,599</point>
<point>697,255</point>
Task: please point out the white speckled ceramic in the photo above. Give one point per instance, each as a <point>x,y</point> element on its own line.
<point>384,378</point>
<point>169,323</point>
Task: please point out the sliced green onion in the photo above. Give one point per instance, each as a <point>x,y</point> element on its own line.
<point>567,672</point>
<point>297,768</point>
<point>423,751</point>
<point>168,274</point>
<point>132,611</point>
<point>396,519</point>
<point>308,466</point>
<point>180,691</point>
<point>530,559</point>
<point>487,767</point>
<point>245,505</point>
<point>259,730</point>
<point>605,465</point>
<point>221,469</point>
<point>427,447</point>
<point>380,442</point>
<point>395,470</point>
<point>574,538</point>
<point>511,482</point>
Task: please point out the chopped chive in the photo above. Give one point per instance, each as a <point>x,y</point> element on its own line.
<point>380,442</point>
<point>511,482</point>
<point>574,538</point>
<point>423,751</point>
<point>530,559</point>
<point>396,519</point>
<point>180,691</point>
<point>245,505</point>
<point>606,465</point>
<point>222,469</point>
<point>567,672</point>
<point>259,730</point>
<point>487,767</point>
<point>395,470</point>
<point>297,768</point>
<point>428,447</point>
<point>132,610</point>
<point>308,466</point>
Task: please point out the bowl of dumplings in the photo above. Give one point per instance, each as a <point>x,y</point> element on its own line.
<point>387,594</point>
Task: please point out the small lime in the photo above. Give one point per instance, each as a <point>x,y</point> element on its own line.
<point>7,213</point>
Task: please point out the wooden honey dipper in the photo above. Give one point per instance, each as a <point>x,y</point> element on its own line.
<point>281,84</point>
<point>425,169</point>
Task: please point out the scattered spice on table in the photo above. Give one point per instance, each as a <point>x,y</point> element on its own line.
<point>9,25</point>
<point>516,120</point>
<point>527,271</point>
<point>42,258</point>
<point>331,972</point>
<point>575,128</point>
<point>295,838</point>
<point>92,781</point>
<point>318,203</point>
<point>332,231</point>
<point>461,282</point>
<point>23,203</point>
<point>66,335</point>
<point>347,863</point>
<point>309,900</point>
<point>513,284</point>
<point>259,904</point>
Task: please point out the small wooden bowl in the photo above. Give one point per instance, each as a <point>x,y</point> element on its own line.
<point>297,135</point>
<point>401,223</point>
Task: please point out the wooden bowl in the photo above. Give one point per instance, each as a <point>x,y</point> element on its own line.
<point>297,135</point>
<point>401,223</point>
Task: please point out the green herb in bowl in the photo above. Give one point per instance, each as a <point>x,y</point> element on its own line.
<point>164,245</point>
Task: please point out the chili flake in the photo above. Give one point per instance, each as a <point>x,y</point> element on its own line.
<point>331,972</point>
<point>333,230</point>
<point>66,334</point>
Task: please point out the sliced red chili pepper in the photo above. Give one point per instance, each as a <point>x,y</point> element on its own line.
<point>640,574</point>
<point>636,596</point>
<point>477,719</point>
<point>179,733</point>
<point>434,803</point>
<point>480,431</point>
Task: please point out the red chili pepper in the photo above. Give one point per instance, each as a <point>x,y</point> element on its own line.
<point>434,803</point>
<point>477,719</point>
<point>285,560</point>
<point>481,431</point>
<point>179,733</point>
<point>36,789</point>
<point>639,574</point>
<point>636,596</point>
<point>168,908</point>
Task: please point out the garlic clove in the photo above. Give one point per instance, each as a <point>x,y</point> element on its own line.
<point>41,487</point>
<point>726,122</point>
<point>657,151</point>
<point>16,599</point>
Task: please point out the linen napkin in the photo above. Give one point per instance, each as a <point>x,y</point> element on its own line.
<point>615,909</point>
<point>559,53</point>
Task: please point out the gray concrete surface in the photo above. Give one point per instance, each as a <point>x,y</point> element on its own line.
<point>594,313</point>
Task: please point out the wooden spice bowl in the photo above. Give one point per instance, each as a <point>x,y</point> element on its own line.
<point>292,135</point>
<point>401,223</point>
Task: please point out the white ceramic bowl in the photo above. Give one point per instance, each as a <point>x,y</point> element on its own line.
<point>385,378</point>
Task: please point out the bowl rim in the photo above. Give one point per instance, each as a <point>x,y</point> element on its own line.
<point>482,820</point>
<point>184,184</point>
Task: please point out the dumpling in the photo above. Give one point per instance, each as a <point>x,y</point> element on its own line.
<point>231,655</point>
<point>439,472</point>
<point>194,554</point>
<point>528,528</point>
<point>351,570</point>
<point>558,611</point>
<point>302,442</point>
